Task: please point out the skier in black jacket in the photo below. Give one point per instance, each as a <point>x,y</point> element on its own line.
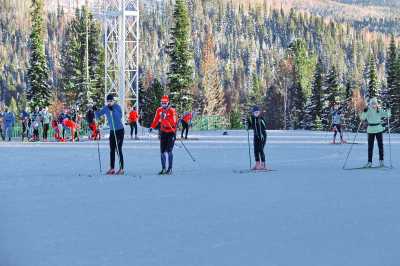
<point>259,126</point>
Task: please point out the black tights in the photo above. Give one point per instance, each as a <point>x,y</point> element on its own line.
<point>185,128</point>
<point>259,145</point>
<point>116,137</point>
<point>371,141</point>
<point>133,127</point>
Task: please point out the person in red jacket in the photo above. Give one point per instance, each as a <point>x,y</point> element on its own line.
<point>186,121</point>
<point>166,118</point>
<point>132,120</point>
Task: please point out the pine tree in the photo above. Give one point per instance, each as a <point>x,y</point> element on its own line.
<point>38,90</point>
<point>82,65</point>
<point>391,74</point>
<point>331,96</point>
<point>314,105</point>
<point>213,92</point>
<point>373,88</point>
<point>149,101</point>
<point>181,70</point>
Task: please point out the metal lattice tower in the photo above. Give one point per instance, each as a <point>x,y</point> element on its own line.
<point>121,29</point>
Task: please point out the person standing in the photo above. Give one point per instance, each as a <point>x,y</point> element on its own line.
<point>24,116</point>
<point>9,122</point>
<point>133,121</point>
<point>373,114</point>
<point>337,124</point>
<point>46,119</point>
<point>113,113</point>
<point>2,125</point>
<point>186,121</point>
<point>259,127</point>
<point>91,120</point>
<point>166,118</point>
<point>36,121</point>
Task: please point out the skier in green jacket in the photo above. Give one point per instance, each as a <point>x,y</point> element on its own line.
<point>374,115</point>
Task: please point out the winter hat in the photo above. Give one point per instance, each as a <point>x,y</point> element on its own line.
<point>255,109</point>
<point>373,101</point>
<point>110,97</point>
<point>165,99</point>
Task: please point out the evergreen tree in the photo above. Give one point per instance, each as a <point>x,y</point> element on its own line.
<point>373,88</point>
<point>83,61</point>
<point>391,73</point>
<point>314,106</point>
<point>181,71</point>
<point>38,90</point>
<point>149,101</point>
<point>331,96</point>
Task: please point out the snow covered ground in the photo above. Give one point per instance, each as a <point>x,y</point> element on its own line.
<point>56,210</point>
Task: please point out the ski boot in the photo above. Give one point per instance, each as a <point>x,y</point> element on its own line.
<point>120,172</point>
<point>256,167</point>
<point>368,165</point>
<point>262,166</point>
<point>169,171</point>
<point>162,172</point>
<point>381,163</point>
<point>343,141</point>
<point>110,172</point>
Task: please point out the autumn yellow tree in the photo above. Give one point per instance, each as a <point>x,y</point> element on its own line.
<point>214,102</point>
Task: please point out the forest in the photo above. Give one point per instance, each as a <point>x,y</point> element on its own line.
<point>242,55</point>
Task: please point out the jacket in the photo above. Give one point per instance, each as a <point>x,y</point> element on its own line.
<point>374,119</point>
<point>166,118</point>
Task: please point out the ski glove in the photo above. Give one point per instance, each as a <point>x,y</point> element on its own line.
<point>365,109</point>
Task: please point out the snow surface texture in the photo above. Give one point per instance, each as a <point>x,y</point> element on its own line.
<point>56,210</point>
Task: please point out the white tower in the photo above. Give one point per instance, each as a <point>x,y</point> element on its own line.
<point>121,28</point>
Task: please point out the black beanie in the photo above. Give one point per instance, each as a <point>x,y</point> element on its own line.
<point>110,97</point>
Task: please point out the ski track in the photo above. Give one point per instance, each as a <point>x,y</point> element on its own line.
<point>57,210</point>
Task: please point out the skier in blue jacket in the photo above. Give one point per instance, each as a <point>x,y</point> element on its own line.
<point>113,112</point>
<point>9,122</point>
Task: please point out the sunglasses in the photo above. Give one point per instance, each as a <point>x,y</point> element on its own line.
<point>164,104</point>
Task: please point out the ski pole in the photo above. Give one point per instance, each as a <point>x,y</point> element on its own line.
<point>352,144</point>
<point>187,150</point>
<point>184,146</point>
<point>390,143</point>
<point>116,141</point>
<point>248,144</point>
<point>98,151</point>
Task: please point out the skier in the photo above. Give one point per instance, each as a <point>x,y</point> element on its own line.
<point>133,120</point>
<point>374,115</point>
<point>90,119</point>
<point>46,118</point>
<point>9,122</point>
<point>337,124</point>
<point>166,118</point>
<point>24,116</point>
<point>259,126</point>
<point>2,125</point>
<point>36,121</point>
<point>185,122</point>
<point>113,112</point>
<point>56,129</point>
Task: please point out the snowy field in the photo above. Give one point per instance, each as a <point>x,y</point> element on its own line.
<point>56,210</point>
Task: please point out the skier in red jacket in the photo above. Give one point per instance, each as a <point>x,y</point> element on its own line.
<point>133,120</point>
<point>166,118</point>
<point>186,121</point>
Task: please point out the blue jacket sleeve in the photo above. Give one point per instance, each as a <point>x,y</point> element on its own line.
<point>100,113</point>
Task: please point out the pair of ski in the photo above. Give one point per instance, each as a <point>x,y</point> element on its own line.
<point>369,168</point>
<point>252,171</point>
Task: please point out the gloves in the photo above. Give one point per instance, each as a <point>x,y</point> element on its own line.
<point>95,108</point>
<point>365,109</point>
<point>163,115</point>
